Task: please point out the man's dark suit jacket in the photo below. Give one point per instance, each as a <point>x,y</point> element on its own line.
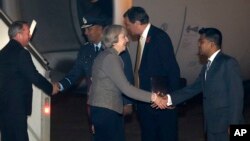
<point>222,93</point>
<point>158,59</point>
<point>17,73</point>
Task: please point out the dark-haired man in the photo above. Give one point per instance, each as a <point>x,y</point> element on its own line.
<point>221,84</point>
<point>155,59</point>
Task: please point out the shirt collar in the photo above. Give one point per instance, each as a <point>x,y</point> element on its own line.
<point>211,58</point>
<point>98,45</point>
<point>145,32</point>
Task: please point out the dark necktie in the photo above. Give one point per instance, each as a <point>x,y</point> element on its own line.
<point>96,49</point>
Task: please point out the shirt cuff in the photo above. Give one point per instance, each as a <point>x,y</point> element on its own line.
<point>169,103</point>
<point>61,87</point>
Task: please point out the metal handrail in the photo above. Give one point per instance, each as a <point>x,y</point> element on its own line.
<point>30,47</point>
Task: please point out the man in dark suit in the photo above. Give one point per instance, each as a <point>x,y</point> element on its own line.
<point>17,74</point>
<point>155,58</point>
<point>221,85</point>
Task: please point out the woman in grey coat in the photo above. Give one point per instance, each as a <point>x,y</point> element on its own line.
<point>108,84</point>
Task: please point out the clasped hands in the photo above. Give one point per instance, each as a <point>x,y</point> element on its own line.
<point>56,88</point>
<point>160,101</point>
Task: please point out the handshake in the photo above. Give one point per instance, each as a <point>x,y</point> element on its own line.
<point>56,88</point>
<point>160,101</point>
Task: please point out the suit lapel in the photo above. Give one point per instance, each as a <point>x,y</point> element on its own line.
<point>146,46</point>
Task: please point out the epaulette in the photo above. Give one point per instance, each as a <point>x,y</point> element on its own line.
<point>86,43</point>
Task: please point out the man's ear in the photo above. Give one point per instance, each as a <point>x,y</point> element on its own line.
<point>17,36</point>
<point>213,44</point>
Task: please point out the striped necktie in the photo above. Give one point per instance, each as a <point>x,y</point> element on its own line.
<point>207,67</point>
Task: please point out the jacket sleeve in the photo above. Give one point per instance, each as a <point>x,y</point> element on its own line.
<point>77,70</point>
<point>112,67</point>
<point>29,71</point>
<point>188,92</point>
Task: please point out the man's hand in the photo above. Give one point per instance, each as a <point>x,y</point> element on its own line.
<point>163,98</point>
<point>159,101</point>
<point>56,88</point>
